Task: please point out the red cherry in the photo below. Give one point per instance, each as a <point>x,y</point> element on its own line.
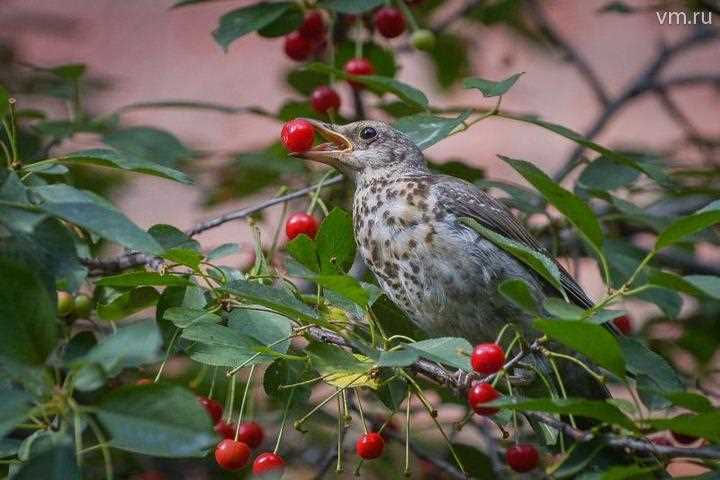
<point>522,457</point>
<point>145,381</point>
<point>487,358</point>
<point>682,438</point>
<point>482,393</point>
<point>214,409</point>
<point>370,445</point>
<point>225,429</point>
<point>661,440</point>
<point>301,222</point>
<point>389,21</point>
<point>324,98</point>
<point>232,455</point>
<point>624,324</point>
<point>358,66</point>
<point>269,462</point>
<point>313,27</point>
<point>251,433</point>
<point>297,135</point>
<point>298,47</point>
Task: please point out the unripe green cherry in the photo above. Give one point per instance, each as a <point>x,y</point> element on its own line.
<point>83,306</point>
<point>423,39</point>
<point>65,303</point>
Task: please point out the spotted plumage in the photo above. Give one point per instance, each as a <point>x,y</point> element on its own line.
<point>443,274</point>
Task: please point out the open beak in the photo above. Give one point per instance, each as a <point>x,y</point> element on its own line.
<point>330,151</point>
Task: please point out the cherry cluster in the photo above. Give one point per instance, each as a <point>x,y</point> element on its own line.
<point>233,452</point>
<point>311,40</point>
<point>487,359</point>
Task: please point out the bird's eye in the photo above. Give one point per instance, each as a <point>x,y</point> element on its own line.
<point>367,133</point>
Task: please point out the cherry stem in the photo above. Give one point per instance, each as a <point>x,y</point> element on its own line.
<point>408,14</point>
<point>212,383</point>
<point>316,194</point>
<point>244,398</point>
<point>360,409</point>
<point>284,420</point>
<point>322,404</point>
<point>276,235</point>
<point>561,385</point>
<point>598,378</point>
<point>167,355</point>
<point>339,467</point>
<point>231,403</point>
<point>407,434</point>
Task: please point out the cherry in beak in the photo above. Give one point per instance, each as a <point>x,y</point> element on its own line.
<point>330,151</point>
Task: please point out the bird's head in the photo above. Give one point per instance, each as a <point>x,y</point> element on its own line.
<point>365,149</point>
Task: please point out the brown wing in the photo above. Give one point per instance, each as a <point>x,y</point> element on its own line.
<point>466,200</point>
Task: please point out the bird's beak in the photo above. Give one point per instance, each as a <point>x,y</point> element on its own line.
<point>329,152</point>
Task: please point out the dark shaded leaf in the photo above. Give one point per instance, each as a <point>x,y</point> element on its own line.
<point>335,242</point>
<point>117,304</point>
<point>681,228</point>
<point>136,279</point>
<point>450,59</point>
<point>244,20</point>
<point>704,425</point>
<point>350,6</point>
<point>158,420</point>
<point>148,144</point>
<point>452,351</point>
<point>273,298</point>
<point>491,88</point>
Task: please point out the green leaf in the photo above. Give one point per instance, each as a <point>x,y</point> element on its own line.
<point>183,317</point>
<point>157,420</point>
<point>4,105</point>
<point>426,130</point>
<point>681,228</point>
<point>534,259</point>
<point>131,346</point>
<point>305,81</point>
<point>561,309</point>
<point>222,346</point>
<point>518,292</point>
<point>148,144</point>
<point>91,212</point>
<point>704,425</point>
<point>335,242</point>
<point>695,285</point>
<point>577,211</point>
<point>606,175</point>
<point>284,372</point>
<point>392,391</point>
<point>265,327</point>
<point>640,359</point>
<point>242,21</point>
<point>223,250</point>
<point>113,159</point>
<point>28,329</point>
<point>70,71</point>
<point>708,284</point>
<point>476,462</point>
<point>623,159</point>
<point>136,279</point>
<point>118,304</point>
<point>328,359</point>
<point>692,401</point>
<point>303,249</point>
<point>593,341</point>
<point>353,7</point>
<point>15,406</point>
<point>275,299</point>
<point>16,211</point>
<point>184,256</point>
<point>450,59</point>
<point>171,237</point>
<point>53,462</point>
<point>491,88</point>
<point>378,84</point>
<point>597,409</point>
<point>290,20</point>
<point>452,351</point>
<point>398,358</point>
<point>346,286</point>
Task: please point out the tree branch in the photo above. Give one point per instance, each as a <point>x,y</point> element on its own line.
<point>134,259</point>
<point>645,82</point>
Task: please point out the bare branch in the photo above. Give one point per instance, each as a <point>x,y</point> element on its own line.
<point>134,259</point>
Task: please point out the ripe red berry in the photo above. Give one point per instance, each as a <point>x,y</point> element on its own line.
<point>301,222</point>
<point>298,47</point>
<point>313,27</point>
<point>389,21</point>
<point>251,433</point>
<point>214,409</point>
<point>297,135</point>
<point>624,324</point>
<point>225,429</point>
<point>482,393</point>
<point>487,358</point>
<point>684,439</point>
<point>358,66</point>
<point>324,98</point>
<point>522,457</point>
<point>370,445</point>
<point>268,462</point>
<point>661,440</point>
<point>232,455</point>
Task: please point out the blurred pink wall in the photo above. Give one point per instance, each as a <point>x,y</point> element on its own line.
<point>150,52</point>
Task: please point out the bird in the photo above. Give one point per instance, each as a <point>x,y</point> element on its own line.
<point>409,229</point>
